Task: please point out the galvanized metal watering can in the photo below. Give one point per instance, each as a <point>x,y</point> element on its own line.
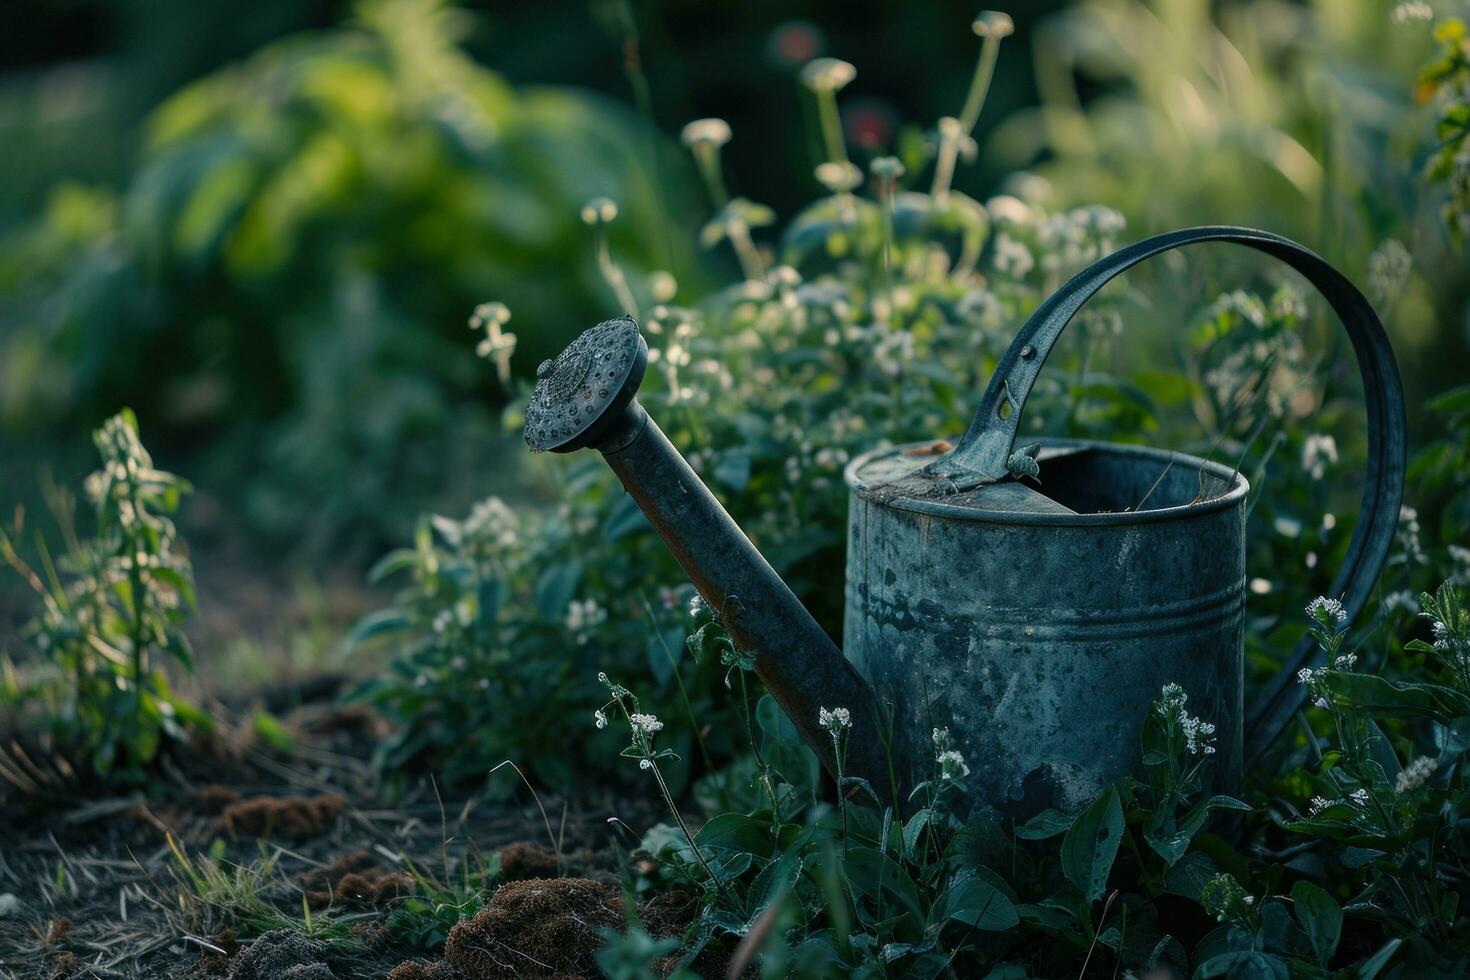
<point>1037,626</point>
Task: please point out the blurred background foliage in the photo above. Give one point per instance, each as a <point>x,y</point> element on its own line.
<point>262,226</point>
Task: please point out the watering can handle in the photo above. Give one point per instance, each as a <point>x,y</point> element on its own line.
<point>984,452</point>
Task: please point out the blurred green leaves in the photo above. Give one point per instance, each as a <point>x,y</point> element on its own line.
<point>285,276</point>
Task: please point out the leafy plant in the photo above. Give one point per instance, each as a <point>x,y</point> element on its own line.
<point>1132,880</point>
<point>112,607</point>
<point>1446,80</point>
<point>285,266</point>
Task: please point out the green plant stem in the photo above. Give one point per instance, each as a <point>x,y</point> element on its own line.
<point>745,251</point>
<point>944,169</point>
<point>980,84</point>
<point>663,788</point>
<point>839,755</point>
<point>135,582</point>
<point>707,157</point>
<point>831,124</point>
<point>679,680</point>
<point>613,274</point>
<point>760,759</point>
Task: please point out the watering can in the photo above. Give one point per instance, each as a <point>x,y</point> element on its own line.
<point>1038,626</point>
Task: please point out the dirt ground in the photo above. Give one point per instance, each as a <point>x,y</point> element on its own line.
<point>94,885</point>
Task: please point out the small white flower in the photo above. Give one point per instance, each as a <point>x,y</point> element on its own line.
<point>1415,774</point>
<point>1412,13</point>
<point>645,764</point>
<point>834,719</point>
<point>1317,805</point>
<point>698,607</point>
<point>646,724</point>
<point>1345,662</point>
<point>1321,703</point>
<point>1358,797</point>
<point>1318,453</point>
<point>600,717</point>
<point>1304,676</point>
<point>710,132</point>
<point>1328,612</point>
<point>1011,257</point>
<point>827,74</point>
<point>952,765</point>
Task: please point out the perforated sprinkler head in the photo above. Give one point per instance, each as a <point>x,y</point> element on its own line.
<point>584,389</point>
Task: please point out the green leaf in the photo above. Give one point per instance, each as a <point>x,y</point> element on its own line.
<point>733,470</point>
<point>1374,964</point>
<point>1386,699</point>
<point>1091,845</point>
<point>1171,844</point>
<point>1244,965</point>
<point>391,564</point>
<point>972,900</point>
<point>270,730</point>
<point>382,621</point>
<point>1047,823</point>
<point>736,832</point>
<point>555,588</point>
<point>912,830</point>
<point>1320,917</point>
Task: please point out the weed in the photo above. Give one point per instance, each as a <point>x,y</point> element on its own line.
<point>112,607</point>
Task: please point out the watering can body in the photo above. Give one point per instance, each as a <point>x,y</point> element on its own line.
<point>1033,601</point>
<point>1039,627</point>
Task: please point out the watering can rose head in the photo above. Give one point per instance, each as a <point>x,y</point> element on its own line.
<point>1020,605</point>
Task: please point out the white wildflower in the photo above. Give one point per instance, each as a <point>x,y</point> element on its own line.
<point>952,765</point>
<point>1318,453</point>
<point>1011,257</point>
<point>645,724</point>
<point>710,132</point>
<point>1415,774</point>
<point>1304,676</point>
<point>1359,797</point>
<point>1345,662</point>
<point>645,763</point>
<point>600,718</point>
<point>1317,805</point>
<point>1416,12</point>
<point>827,74</point>
<point>834,719</point>
<point>1328,612</point>
<point>1402,599</point>
<point>584,615</point>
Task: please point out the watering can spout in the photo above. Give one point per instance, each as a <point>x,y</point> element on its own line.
<point>585,398</point>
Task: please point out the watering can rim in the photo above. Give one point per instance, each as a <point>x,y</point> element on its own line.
<point>937,507</point>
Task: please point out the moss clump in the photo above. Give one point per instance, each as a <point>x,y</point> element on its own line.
<point>540,928</point>
<point>296,817</point>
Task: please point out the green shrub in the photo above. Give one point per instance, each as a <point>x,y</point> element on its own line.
<point>112,607</point>
<point>282,278</point>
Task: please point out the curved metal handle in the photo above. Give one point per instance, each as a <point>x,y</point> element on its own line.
<point>982,455</point>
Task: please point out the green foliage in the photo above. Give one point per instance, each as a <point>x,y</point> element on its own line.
<point>423,919</point>
<point>1447,80</point>
<point>288,267</point>
<point>1362,883</point>
<point>111,611</point>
